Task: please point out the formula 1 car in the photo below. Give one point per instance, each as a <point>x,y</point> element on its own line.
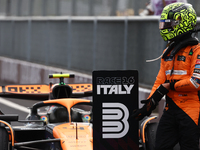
<point>63,122</point>
<point>147,135</point>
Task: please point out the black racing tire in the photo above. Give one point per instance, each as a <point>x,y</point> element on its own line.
<point>4,139</point>
<point>151,135</point>
<point>177,147</point>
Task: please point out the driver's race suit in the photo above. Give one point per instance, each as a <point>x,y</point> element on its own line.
<point>180,119</point>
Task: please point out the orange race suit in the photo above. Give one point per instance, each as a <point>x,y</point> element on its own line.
<point>180,120</point>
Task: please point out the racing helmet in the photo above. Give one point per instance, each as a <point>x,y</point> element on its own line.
<point>177,19</point>
<point>58,114</point>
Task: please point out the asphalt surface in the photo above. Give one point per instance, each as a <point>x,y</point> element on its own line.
<point>14,107</point>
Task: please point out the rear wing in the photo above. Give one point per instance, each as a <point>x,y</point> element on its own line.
<point>42,91</point>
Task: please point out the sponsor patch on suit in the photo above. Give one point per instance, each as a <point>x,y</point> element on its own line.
<point>168,58</point>
<point>197,66</point>
<point>197,71</point>
<point>181,58</point>
<point>198,62</point>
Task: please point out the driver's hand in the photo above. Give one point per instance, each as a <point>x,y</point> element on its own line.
<point>151,103</point>
<point>146,110</point>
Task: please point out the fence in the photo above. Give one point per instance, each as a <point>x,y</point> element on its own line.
<point>85,44</point>
<point>76,7</point>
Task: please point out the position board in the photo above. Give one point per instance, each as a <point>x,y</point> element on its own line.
<point>115,96</point>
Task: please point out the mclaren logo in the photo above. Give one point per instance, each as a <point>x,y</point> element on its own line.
<point>114,120</point>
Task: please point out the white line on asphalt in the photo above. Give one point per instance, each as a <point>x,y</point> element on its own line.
<point>14,105</point>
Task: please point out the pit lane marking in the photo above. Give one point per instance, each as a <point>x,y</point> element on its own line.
<point>14,105</point>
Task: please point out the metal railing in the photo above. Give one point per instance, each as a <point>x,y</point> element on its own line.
<point>85,43</point>
<point>76,7</point>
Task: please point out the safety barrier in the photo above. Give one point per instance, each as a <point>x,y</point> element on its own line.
<point>85,44</point>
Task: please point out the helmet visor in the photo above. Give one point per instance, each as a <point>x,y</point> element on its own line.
<point>168,23</point>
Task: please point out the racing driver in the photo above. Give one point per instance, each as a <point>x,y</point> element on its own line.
<point>178,79</point>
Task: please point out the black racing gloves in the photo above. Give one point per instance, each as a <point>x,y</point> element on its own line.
<point>149,104</point>
<point>172,85</point>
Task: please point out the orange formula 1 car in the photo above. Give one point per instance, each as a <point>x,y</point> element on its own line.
<point>64,122</point>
